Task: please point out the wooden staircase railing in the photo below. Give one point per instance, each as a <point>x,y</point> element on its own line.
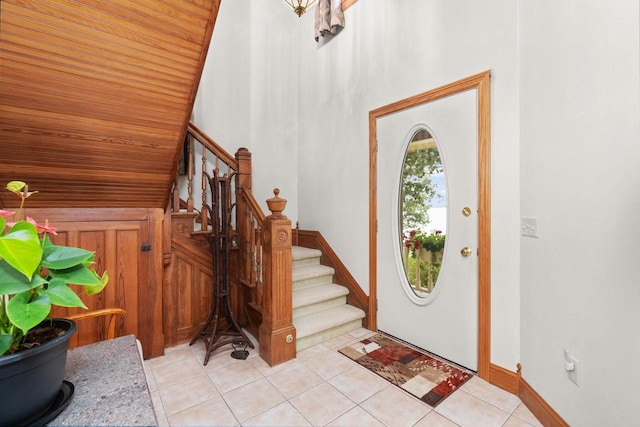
<point>250,270</point>
<point>261,279</point>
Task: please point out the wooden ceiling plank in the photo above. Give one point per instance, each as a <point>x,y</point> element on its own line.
<point>88,79</point>
<point>86,157</point>
<point>101,69</point>
<point>95,96</point>
<point>11,132</point>
<point>86,42</point>
<point>80,15</point>
<point>88,175</point>
<point>168,19</point>
<point>47,120</point>
<point>134,114</point>
<point>43,29</point>
<point>70,156</point>
<point>43,83</point>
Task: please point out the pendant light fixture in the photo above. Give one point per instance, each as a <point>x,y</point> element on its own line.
<point>299,6</point>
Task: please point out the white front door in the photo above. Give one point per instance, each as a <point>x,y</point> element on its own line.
<point>444,322</point>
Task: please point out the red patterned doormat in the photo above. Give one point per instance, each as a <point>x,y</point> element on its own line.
<point>427,378</point>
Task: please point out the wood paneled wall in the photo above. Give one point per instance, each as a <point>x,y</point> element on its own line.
<point>187,287</point>
<point>135,274</point>
<point>188,284</point>
<point>95,97</point>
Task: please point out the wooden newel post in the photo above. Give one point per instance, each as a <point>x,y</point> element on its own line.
<point>243,179</point>
<point>277,333</point>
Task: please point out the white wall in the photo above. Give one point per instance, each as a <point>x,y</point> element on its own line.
<point>274,106</point>
<point>580,151</point>
<point>385,53</point>
<point>565,149</point>
<point>302,109</point>
<point>248,94</point>
<point>222,107</point>
<point>565,132</point>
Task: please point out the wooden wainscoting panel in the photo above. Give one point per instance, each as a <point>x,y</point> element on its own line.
<point>135,282</point>
<point>127,243</point>
<point>188,282</point>
<point>150,291</point>
<point>201,299</point>
<point>99,242</point>
<point>237,291</point>
<point>122,289</point>
<point>197,302</point>
<point>184,293</point>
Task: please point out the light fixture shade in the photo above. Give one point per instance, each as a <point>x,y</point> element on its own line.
<point>299,6</point>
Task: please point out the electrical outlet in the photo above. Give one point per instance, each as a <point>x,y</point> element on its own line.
<point>529,227</point>
<point>571,366</point>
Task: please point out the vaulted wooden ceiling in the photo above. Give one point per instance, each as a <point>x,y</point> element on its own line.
<point>95,97</point>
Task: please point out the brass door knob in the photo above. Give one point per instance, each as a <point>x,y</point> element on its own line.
<point>465,251</point>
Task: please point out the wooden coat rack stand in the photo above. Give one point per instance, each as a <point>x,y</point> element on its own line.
<point>221,239</point>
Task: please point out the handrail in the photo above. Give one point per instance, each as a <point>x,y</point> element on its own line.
<point>262,244</point>
<point>212,146</point>
<point>253,204</point>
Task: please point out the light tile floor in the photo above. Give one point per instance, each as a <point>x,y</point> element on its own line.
<point>320,387</point>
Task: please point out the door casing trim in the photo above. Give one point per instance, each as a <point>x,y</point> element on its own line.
<point>481,82</point>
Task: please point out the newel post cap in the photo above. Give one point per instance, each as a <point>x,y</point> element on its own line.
<point>276,204</point>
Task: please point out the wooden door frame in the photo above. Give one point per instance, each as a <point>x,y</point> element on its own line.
<point>481,82</point>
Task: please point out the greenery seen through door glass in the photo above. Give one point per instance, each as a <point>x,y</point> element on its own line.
<point>422,239</point>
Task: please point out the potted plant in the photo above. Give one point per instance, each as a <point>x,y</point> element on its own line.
<point>35,275</point>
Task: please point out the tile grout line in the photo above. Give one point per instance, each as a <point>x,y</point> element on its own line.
<point>221,395</point>
<point>265,374</point>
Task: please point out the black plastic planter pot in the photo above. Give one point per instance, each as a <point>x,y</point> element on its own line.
<point>31,379</point>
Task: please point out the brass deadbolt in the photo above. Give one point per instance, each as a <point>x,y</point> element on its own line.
<point>289,339</point>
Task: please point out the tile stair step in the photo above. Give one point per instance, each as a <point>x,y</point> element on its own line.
<point>305,256</point>
<point>323,325</point>
<point>311,275</point>
<point>318,298</point>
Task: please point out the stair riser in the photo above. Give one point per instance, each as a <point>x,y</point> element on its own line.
<point>306,261</point>
<point>322,312</point>
<point>311,340</point>
<point>311,282</point>
<point>319,306</point>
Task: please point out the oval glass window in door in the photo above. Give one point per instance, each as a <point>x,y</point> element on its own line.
<point>422,212</point>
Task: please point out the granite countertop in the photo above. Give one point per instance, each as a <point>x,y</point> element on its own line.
<point>110,385</point>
